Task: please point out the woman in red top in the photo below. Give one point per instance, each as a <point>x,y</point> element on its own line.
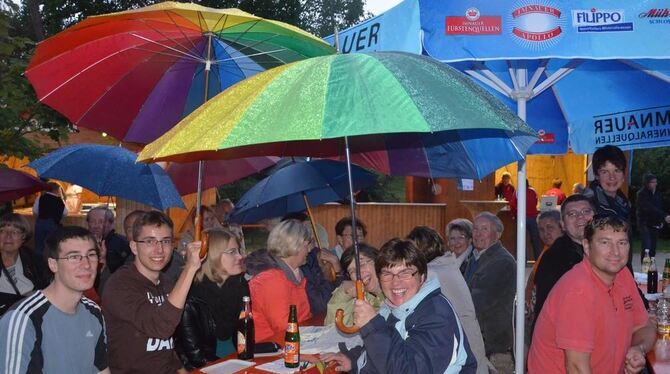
<point>282,283</point>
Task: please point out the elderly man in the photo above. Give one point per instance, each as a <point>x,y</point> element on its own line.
<point>593,320</point>
<point>490,274</point>
<point>567,251</point>
<point>100,221</point>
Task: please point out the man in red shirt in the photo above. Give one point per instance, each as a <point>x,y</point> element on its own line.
<point>594,321</point>
<point>556,191</point>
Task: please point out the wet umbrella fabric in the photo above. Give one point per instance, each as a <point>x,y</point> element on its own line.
<point>321,181</point>
<point>110,171</point>
<point>15,184</point>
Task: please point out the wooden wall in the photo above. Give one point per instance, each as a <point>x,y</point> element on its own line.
<point>383,220</point>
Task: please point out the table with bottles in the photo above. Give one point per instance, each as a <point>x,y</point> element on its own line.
<point>264,359</point>
<point>659,308</point>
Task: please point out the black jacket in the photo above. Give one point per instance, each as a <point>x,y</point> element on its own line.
<point>650,208</point>
<point>556,261</point>
<point>34,268</point>
<point>210,313</point>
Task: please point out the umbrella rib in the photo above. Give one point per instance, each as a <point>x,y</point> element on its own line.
<point>65,82</point>
<point>251,55</point>
<point>257,43</point>
<point>194,57</point>
<point>254,23</point>
<point>169,13</point>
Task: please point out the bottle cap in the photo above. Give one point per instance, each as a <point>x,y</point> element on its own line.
<point>246,298</point>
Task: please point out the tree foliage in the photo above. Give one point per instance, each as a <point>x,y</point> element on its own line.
<point>20,113</point>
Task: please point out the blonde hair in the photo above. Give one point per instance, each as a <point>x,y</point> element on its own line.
<point>286,238</point>
<point>218,242</point>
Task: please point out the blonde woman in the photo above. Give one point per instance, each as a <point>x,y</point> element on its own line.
<point>209,321</point>
<point>277,279</point>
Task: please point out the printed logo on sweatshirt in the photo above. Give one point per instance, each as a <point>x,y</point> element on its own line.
<point>157,300</point>
<point>155,344</point>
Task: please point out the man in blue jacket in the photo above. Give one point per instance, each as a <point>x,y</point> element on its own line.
<point>415,331</point>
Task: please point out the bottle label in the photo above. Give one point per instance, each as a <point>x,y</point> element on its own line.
<point>292,352</point>
<point>292,327</point>
<point>241,343</point>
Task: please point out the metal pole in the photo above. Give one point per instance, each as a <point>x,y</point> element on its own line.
<point>352,204</point>
<point>520,238</point>
<point>201,164</point>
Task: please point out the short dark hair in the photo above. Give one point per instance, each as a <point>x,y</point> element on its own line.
<point>136,212</point>
<point>346,221</point>
<point>428,241</point>
<point>557,183</point>
<point>573,199</point>
<point>53,241</point>
<point>600,223</point>
<point>398,251</point>
<point>363,249</point>
<point>151,218</point>
<point>608,153</point>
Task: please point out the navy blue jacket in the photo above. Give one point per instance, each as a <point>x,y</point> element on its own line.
<point>434,338</point>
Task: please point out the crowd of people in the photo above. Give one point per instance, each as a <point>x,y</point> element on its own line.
<point>434,302</point>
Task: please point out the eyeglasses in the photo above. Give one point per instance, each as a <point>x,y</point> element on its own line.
<point>155,242</point>
<point>13,233</point>
<point>581,213</point>
<point>235,251</point>
<point>352,269</point>
<point>403,275</point>
<point>76,258</point>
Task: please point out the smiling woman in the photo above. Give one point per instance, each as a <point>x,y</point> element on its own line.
<point>21,271</point>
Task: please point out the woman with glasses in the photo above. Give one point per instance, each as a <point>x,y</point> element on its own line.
<point>209,321</point>
<point>21,270</point>
<point>344,295</point>
<point>415,331</point>
<point>277,280</point>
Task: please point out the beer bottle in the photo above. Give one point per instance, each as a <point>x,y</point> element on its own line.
<point>292,340</point>
<point>245,332</point>
<point>666,274</point>
<point>652,277</point>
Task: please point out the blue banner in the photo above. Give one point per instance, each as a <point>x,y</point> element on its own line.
<point>397,29</point>
<point>530,29</point>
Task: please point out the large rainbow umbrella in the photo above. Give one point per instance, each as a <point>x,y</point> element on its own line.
<point>135,74</point>
<point>401,114</point>
<point>315,107</point>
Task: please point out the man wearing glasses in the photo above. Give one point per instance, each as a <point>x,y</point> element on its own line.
<point>56,330</point>
<point>567,251</point>
<point>141,307</point>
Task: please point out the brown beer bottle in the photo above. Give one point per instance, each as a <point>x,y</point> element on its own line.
<point>245,332</point>
<point>666,275</point>
<point>292,340</point>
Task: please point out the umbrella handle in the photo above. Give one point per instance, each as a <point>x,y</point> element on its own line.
<point>199,235</point>
<point>339,314</point>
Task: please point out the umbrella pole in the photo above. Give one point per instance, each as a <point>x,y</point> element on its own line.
<point>311,220</point>
<point>201,164</point>
<point>352,204</point>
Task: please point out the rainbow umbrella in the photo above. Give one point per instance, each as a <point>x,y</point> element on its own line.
<point>315,107</point>
<point>135,74</point>
<point>401,114</point>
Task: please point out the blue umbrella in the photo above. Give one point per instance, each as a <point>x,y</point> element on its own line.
<point>289,189</point>
<point>110,171</point>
